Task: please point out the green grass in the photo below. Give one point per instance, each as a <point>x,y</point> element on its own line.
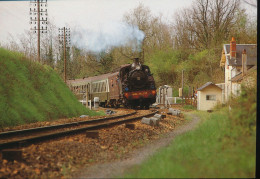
<point>189,107</point>
<point>179,101</point>
<point>31,92</point>
<point>208,151</point>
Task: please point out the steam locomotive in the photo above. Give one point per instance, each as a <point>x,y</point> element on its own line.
<point>132,86</point>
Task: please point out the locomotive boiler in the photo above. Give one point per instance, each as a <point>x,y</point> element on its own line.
<point>132,86</point>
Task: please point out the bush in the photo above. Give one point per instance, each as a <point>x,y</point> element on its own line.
<point>243,113</point>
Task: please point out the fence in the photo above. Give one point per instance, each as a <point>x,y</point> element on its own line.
<point>191,100</point>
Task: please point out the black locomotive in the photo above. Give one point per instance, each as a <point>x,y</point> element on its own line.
<point>132,85</point>
<point>138,86</point>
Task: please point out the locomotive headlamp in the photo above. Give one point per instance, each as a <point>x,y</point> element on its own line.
<point>154,92</point>
<point>126,95</point>
<point>138,67</point>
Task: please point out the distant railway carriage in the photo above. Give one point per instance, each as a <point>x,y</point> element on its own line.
<point>132,85</point>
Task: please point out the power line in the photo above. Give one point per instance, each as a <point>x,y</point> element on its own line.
<point>64,41</point>
<point>38,19</point>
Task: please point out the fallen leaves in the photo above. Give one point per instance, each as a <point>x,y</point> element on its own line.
<point>61,157</point>
<point>37,171</point>
<point>4,162</point>
<point>103,147</point>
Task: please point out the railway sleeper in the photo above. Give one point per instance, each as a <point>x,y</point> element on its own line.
<point>130,126</point>
<point>92,134</point>
<point>12,154</point>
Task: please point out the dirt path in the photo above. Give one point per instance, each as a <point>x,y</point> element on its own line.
<point>117,168</point>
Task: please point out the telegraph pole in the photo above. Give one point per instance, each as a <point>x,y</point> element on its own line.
<point>38,9</point>
<point>64,38</point>
<point>64,45</point>
<point>182,85</point>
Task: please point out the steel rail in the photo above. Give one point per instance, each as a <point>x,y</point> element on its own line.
<point>40,129</point>
<point>24,142</point>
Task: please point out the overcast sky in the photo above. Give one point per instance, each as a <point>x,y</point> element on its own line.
<point>90,14</point>
<point>14,15</point>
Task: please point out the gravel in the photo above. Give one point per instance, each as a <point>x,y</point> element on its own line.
<point>117,168</point>
<point>78,156</point>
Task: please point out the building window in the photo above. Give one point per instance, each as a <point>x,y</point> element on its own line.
<point>211,97</point>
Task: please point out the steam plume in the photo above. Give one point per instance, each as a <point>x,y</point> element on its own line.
<point>110,35</point>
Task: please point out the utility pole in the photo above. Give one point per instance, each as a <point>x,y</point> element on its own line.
<point>64,39</point>
<point>38,9</point>
<point>182,85</point>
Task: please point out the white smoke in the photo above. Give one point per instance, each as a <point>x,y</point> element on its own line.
<point>107,36</point>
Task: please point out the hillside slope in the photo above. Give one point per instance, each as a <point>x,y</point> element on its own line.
<point>30,92</point>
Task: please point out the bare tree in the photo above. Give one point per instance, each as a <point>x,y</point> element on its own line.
<point>207,23</point>
<point>252,3</point>
<point>157,33</point>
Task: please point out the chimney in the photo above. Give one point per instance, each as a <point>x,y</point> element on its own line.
<point>136,64</point>
<point>233,48</point>
<point>136,60</point>
<point>244,62</point>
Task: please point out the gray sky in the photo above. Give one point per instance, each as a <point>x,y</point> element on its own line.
<point>92,15</point>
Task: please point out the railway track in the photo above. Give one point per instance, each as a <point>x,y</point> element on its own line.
<point>22,138</point>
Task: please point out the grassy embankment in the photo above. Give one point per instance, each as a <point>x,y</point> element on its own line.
<point>30,92</point>
<point>223,145</point>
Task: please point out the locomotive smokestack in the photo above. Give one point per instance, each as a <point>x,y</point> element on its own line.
<point>136,60</point>
<point>136,64</point>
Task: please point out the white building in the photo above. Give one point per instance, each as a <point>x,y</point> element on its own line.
<point>237,60</point>
<point>208,96</point>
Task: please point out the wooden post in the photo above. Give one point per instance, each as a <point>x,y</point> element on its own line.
<point>166,97</point>
<point>182,87</point>
<point>90,105</point>
<point>87,95</point>
<point>64,45</point>
<point>39,32</point>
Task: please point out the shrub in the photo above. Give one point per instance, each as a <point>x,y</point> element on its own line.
<point>243,113</point>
